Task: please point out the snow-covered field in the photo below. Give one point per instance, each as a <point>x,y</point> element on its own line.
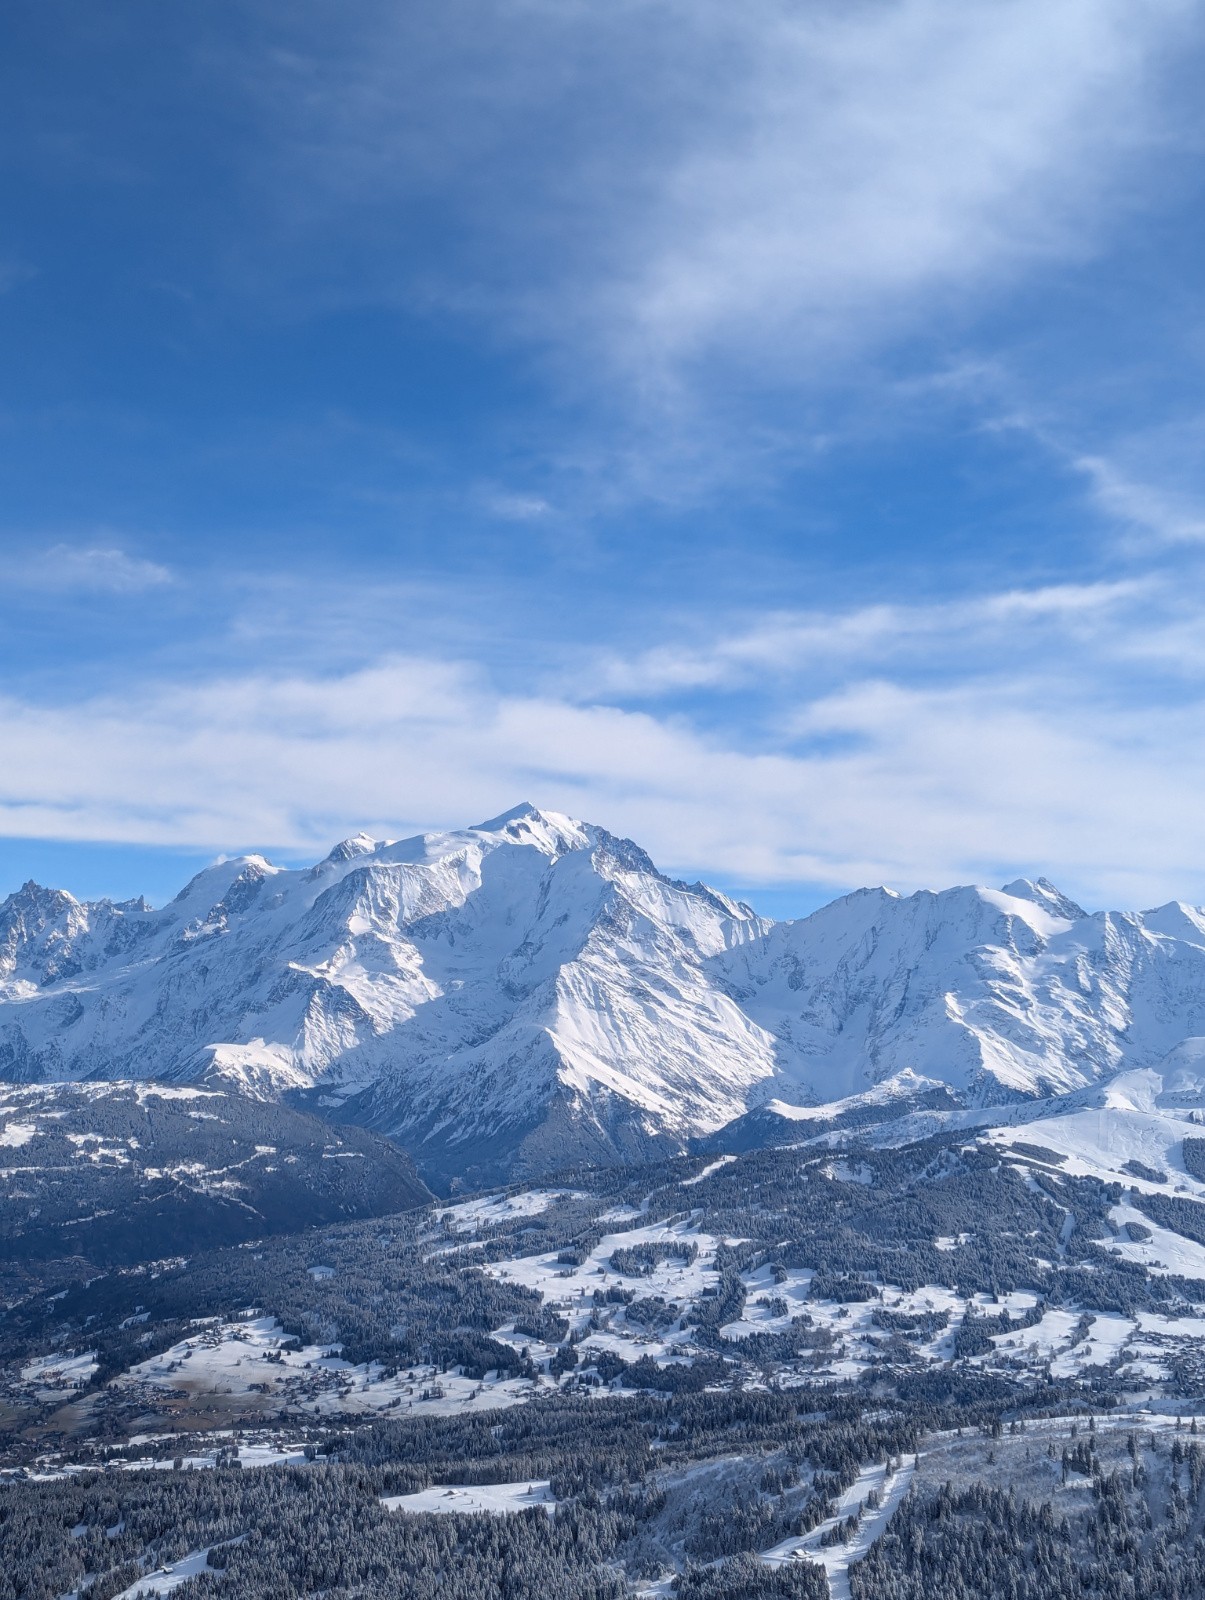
<point>496,1498</point>
<point>471,1215</point>
<point>249,1358</point>
<point>570,1289</point>
<point>1138,1116</point>
<point>171,1576</point>
<point>759,1315</point>
<point>1164,1251</point>
<point>50,1377</point>
<point>890,1487</point>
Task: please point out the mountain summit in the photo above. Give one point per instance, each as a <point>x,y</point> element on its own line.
<point>532,991</point>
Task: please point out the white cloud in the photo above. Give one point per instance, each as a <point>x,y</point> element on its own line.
<point>1168,515</point>
<point>653,180</point>
<point>104,569</point>
<point>1033,759</point>
<point>513,507</point>
<point>785,644</point>
<point>867,158</point>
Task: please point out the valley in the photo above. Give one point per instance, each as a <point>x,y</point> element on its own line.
<point>660,1251</point>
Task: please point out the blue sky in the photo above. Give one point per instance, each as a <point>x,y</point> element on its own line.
<point>774,432</point>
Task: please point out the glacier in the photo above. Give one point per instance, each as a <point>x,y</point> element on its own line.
<point>531,992</point>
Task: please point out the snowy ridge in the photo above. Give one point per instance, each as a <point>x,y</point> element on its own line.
<point>532,991</point>
<point>997,994</point>
<point>531,979</point>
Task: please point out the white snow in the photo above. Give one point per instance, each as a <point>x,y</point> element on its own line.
<point>172,1576</point>
<point>51,1374</point>
<point>165,1091</point>
<point>760,1287</point>
<point>712,1166</point>
<point>470,1215</point>
<point>1106,1338</point>
<point>473,977</point>
<point>230,1359</point>
<point>1132,1118</point>
<point>836,1559</point>
<point>383,963</point>
<point>496,1498</point>
<point>570,1289</point>
<point>971,983</point>
<point>1164,1251</point>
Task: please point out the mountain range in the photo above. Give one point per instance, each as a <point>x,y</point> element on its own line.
<point>532,992</point>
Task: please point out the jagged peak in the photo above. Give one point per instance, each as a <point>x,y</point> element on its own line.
<point>624,853</point>
<point>740,910</point>
<point>217,878</point>
<point>34,896</point>
<point>255,866</point>
<point>552,831</point>
<point>139,906</point>
<point>1041,892</point>
<point>359,844</point>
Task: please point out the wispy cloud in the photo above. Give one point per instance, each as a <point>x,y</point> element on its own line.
<point>1168,515</point>
<point>1144,482</point>
<point>510,506</point>
<point>868,158</point>
<point>660,180</point>
<point>1035,758</point>
<point>103,569</point>
<point>783,645</point>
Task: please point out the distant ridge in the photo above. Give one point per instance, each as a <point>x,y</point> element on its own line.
<point>531,992</point>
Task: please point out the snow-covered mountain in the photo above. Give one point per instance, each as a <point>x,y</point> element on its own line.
<point>994,993</point>
<point>533,991</point>
<point>530,989</point>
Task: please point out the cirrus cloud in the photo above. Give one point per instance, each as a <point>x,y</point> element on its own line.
<point>102,569</point>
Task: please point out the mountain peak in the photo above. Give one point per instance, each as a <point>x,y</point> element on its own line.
<point>523,812</point>
<point>214,881</point>
<point>32,893</point>
<point>532,816</point>
<point>1041,892</point>
<point>552,831</point>
<point>533,989</point>
<point>359,844</point>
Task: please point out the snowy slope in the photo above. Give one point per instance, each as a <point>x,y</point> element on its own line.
<point>995,993</point>
<point>116,1173</point>
<point>533,979</point>
<point>532,991</point>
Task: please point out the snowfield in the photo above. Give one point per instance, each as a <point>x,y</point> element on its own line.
<point>474,1214</point>
<point>167,1578</point>
<point>569,1289</point>
<point>498,1499</point>
<point>836,1559</point>
<point>533,991</point>
<point>251,1360</point>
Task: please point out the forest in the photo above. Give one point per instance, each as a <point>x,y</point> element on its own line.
<point>701,1362</point>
